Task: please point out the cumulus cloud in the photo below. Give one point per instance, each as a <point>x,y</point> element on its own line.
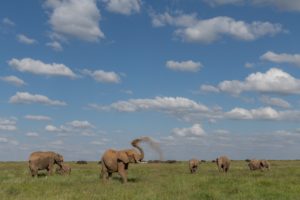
<point>40,68</point>
<point>167,104</point>
<point>263,113</point>
<point>282,58</point>
<point>103,76</point>
<point>55,45</point>
<point>75,126</point>
<point>25,39</point>
<point>191,29</point>
<point>8,124</point>
<point>195,131</point>
<point>189,66</point>
<point>27,98</point>
<point>273,81</point>
<point>13,80</point>
<point>273,101</point>
<point>37,117</point>
<point>125,7</point>
<point>75,18</point>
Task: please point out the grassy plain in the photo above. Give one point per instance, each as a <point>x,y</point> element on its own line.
<point>154,181</point>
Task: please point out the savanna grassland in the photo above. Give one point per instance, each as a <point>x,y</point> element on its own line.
<point>154,181</point>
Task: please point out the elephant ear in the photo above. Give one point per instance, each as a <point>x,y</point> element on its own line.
<point>261,163</point>
<point>123,157</point>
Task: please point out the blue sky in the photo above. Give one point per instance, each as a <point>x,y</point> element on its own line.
<point>202,78</point>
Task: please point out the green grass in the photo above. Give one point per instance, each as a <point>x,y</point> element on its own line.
<point>154,181</point>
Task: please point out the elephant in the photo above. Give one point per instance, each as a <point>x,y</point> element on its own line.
<point>193,165</point>
<point>258,164</point>
<point>63,170</point>
<point>223,163</point>
<point>40,160</point>
<point>118,160</point>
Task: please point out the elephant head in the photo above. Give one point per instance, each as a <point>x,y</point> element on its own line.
<point>129,156</point>
<point>58,159</point>
<point>265,164</point>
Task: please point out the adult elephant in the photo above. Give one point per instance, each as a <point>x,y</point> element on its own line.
<point>40,160</point>
<point>118,161</point>
<point>223,163</point>
<point>193,165</point>
<point>258,164</point>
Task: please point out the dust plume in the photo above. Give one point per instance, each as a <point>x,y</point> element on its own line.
<point>154,145</point>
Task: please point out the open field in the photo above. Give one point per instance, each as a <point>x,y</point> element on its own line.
<point>155,181</point>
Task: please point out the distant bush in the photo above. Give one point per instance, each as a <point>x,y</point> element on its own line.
<point>81,162</point>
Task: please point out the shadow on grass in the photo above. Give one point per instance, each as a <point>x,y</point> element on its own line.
<point>129,180</point>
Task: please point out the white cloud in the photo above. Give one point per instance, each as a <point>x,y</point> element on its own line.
<point>26,40</point>
<point>192,29</point>
<point>103,76</point>
<point>273,81</point>
<point>281,58</point>
<point>178,107</point>
<point>40,68</point>
<point>189,66</point>
<point>266,113</point>
<point>52,128</point>
<point>81,124</point>
<point>8,21</point>
<point>249,65</point>
<point>37,117</point>
<point>209,88</point>
<point>166,104</point>
<point>125,7</point>
<point>55,45</point>
<point>32,134</point>
<point>263,113</point>
<point>223,2</point>
<point>75,18</point>
<point>272,101</point>
<point>13,80</point>
<point>195,131</point>
<point>289,5</point>
<point>27,98</point>
<point>84,127</point>
<point>8,124</point>
<point>7,140</point>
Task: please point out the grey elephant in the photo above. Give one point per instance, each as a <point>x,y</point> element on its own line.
<point>223,163</point>
<point>118,160</point>
<point>63,170</point>
<point>193,165</point>
<point>258,164</point>
<point>40,160</point>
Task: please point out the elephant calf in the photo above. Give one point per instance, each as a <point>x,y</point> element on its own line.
<point>63,170</point>
<point>223,163</point>
<point>258,164</point>
<point>193,165</point>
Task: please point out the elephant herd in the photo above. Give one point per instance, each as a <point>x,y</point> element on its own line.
<point>223,163</point>
<point>118,161</point>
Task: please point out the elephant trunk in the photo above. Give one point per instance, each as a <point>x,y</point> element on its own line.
<point>135,143</point>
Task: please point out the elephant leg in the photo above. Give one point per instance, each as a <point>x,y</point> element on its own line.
<point>104,174</point>
<point>122,171</point>
<point>109,175</point>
